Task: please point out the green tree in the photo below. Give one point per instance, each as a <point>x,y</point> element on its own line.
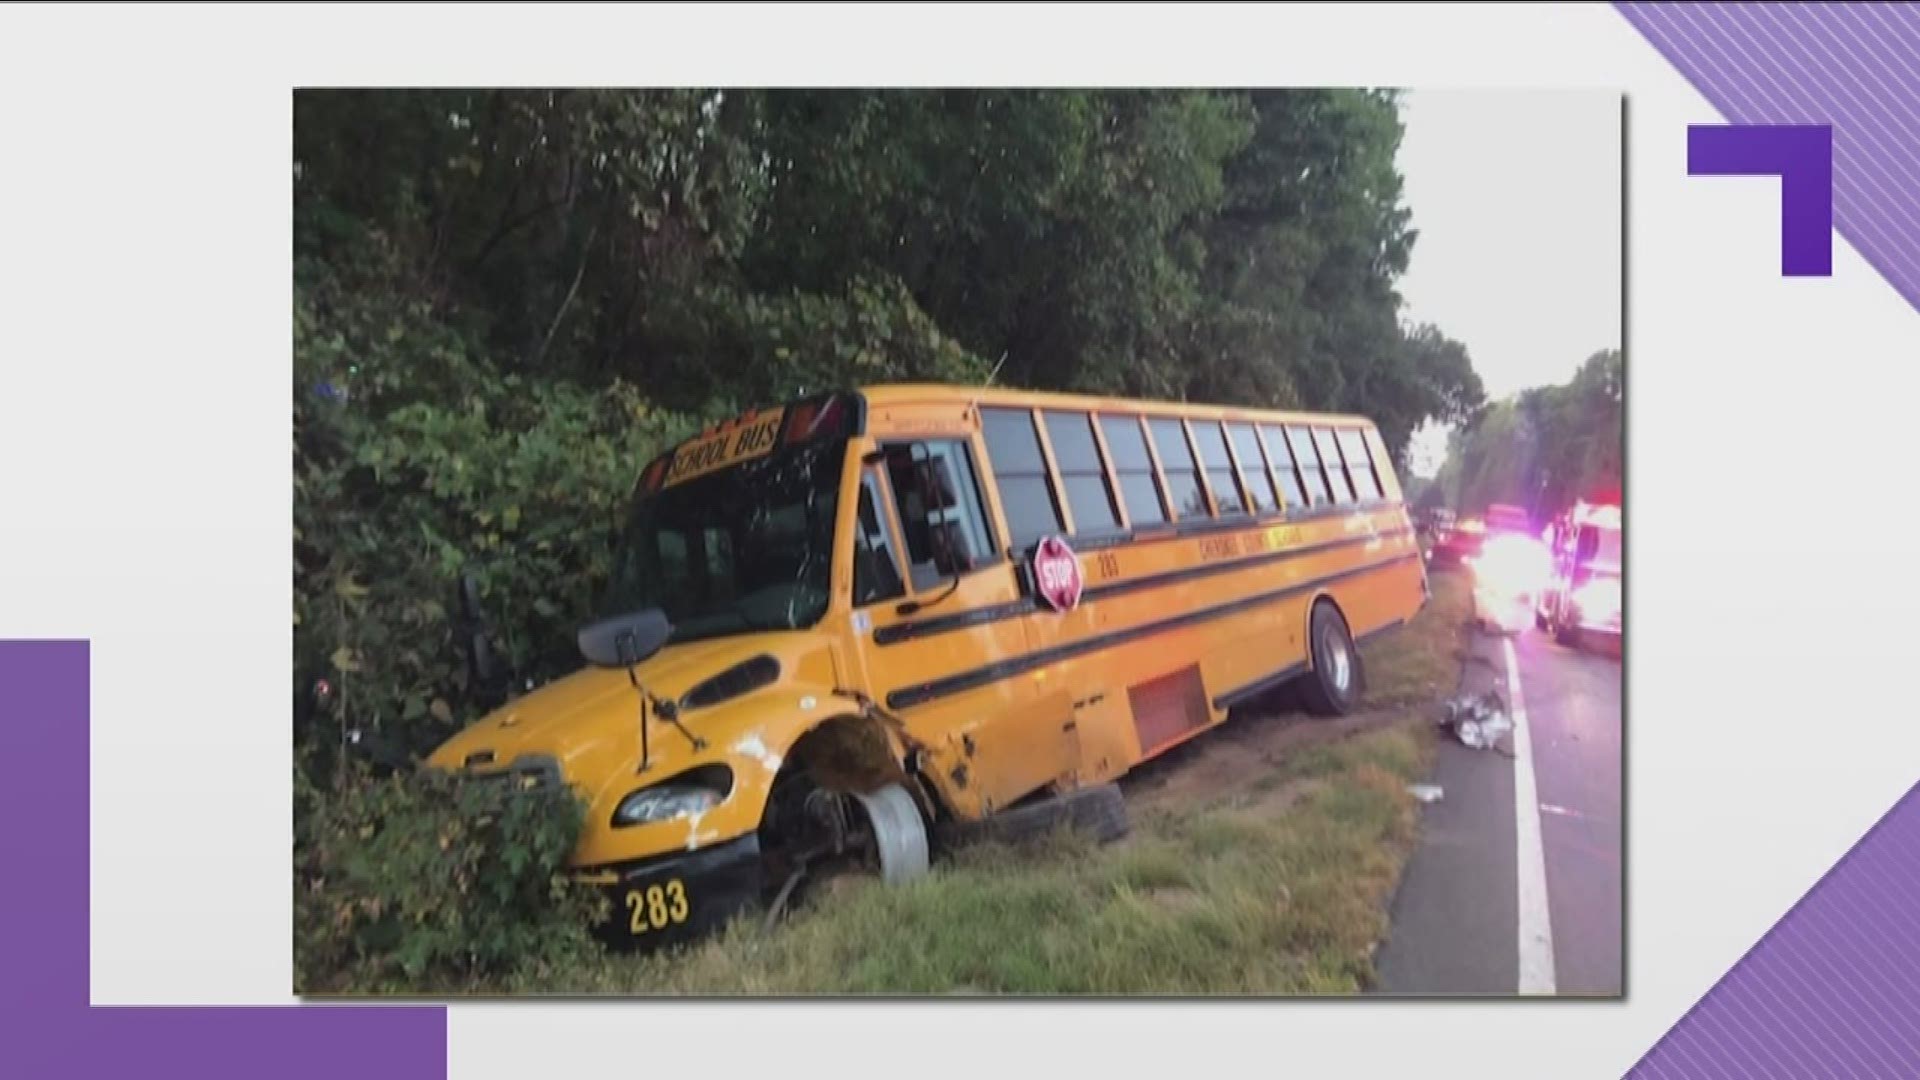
<point>1545,448</point>
<point>513,298</point>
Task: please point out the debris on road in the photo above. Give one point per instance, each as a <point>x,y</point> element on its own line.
<point>1479,723</point>
<point>1426,793</point>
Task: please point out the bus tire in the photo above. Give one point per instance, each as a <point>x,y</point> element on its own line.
<point>899,833</point>
<point>1332,684</point>
<point>1099,812</point>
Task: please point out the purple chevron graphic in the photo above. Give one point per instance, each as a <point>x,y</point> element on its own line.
<point>1853,67</point>
<point>1802,157</point>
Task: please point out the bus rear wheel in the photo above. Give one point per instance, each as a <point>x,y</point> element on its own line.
<point>1332,686</point>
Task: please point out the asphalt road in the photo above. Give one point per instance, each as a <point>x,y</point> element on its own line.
<point>1455,917</point>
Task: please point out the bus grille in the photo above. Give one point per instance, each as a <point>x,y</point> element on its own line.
<point>527,772</point>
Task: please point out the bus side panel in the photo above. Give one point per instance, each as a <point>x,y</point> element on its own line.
<point>1218,625</point>
<point>1249,649</point>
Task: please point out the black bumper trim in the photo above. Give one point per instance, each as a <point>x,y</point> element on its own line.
<point>705,888</point>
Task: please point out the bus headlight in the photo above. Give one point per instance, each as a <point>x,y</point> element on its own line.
<point>695,792</point>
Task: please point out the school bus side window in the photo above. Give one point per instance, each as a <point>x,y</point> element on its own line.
<point>941,515</point>
<point>1309,459</point>
<point>1353,447</point>
<point>876,572</point>
<point>1253,468</point>
<point>1282,460</point>
<point>1026,492</point>
<point>1176,462</point>
<point>1081,473</point>
<point>1133,469</point>
<point>1330,458</point>
<point>1220,479</point>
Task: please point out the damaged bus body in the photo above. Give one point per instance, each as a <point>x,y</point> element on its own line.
<point>843,626</point>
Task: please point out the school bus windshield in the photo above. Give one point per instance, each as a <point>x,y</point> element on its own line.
<point>746,548</point>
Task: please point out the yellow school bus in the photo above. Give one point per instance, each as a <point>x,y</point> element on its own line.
<point>844,625</point>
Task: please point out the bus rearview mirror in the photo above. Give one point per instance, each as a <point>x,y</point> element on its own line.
<point>625,640</point>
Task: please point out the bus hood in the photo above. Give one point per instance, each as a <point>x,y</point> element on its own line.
<point>588,725</point>
<point>595,712</point>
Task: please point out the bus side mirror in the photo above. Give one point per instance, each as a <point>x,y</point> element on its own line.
<point>625,640</point>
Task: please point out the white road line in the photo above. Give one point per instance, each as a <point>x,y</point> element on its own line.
<point>1530,857</point>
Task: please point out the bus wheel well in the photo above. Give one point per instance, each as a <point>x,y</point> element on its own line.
<point>846,753</point>
<point>842,798</point>
<point>1328,600</point>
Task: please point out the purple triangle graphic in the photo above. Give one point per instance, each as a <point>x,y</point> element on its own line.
<point>1834,987</point>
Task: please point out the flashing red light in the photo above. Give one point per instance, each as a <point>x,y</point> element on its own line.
<point>809,418</point>
<point>800,423</point>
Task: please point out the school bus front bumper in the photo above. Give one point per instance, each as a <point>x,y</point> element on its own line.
<point>666,899</point>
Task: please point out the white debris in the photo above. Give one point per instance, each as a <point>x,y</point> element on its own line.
<point>1478,723</point>
<point>752,747</point>
<point>1427,793</point>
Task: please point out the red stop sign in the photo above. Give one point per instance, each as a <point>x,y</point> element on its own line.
<point>1056,574</point>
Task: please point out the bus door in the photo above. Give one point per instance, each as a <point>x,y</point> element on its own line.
<point>936,613</point>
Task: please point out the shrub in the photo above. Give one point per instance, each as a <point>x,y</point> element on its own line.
<point>417,460</point>
<point>427,883</point>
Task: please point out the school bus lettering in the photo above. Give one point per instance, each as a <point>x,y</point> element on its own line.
<point>1219,547</point>
<point>897,590</point>
<point>754,438</point>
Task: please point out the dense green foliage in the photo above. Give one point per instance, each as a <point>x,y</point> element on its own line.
<point>422,883</point>
<point>1542,449</point>
<point>505,301</point>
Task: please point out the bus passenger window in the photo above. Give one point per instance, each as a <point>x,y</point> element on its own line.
<point>1253,468</point>
<point>1134,469</point>
<point>1026,492</point>
<point>1309,459</point>
<point>941,514</point>
<point>1282,459</point>
<point>876,573</point>
<point>1330,459</point>
<point>1081,473</point>
<point>1176,461</point>
<point>1353,447</point>
<point>1213,452</point>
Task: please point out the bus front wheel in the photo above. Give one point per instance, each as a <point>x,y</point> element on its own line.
<point>1333,684</point>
